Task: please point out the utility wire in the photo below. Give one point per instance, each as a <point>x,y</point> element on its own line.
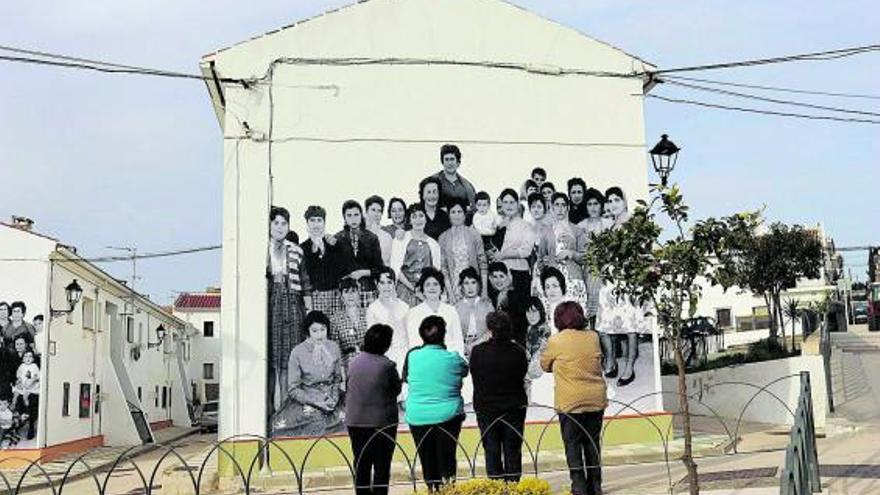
<point>824,55</point>
<point>773,88</point>
<point>107,259</point>
<point>764,112</point>
<point>771,100</point>
<point>111,69</point>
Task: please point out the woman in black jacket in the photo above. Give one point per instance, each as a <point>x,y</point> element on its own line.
<point>498,367</point>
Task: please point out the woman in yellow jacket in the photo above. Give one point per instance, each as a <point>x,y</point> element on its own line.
<point>574,356</point>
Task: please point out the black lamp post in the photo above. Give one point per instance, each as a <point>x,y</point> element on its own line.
<point>73,292</point>
<point>160,333</point>
<point>664,155</point>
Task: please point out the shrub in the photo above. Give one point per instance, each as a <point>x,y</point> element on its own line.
<point>762,350</point>
<point>527,486</point>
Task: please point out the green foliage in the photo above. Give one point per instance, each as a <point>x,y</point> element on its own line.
<point>526,486</point>
<point>763,350</point>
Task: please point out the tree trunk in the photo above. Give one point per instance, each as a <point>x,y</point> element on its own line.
<point>777,307</point>
<point>774,330</point>
<point>687,457</point>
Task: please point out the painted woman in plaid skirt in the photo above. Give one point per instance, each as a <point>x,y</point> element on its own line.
<point>322,265</point>
<point>286,310</point>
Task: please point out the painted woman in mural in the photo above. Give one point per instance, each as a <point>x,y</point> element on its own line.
<point>323,265</point>
<point>359,251</point>
<point>286,311</point>
<point>460,247</point>
<point>348,327</point>
<point>593,225</point>
<point>390,310</point>
<point>313,403</point>
<point>620,318</point>
<point>412,253</point>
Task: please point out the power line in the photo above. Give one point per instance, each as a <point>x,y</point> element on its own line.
<point>774,88</point>
<point>824,55</point>
<point>771,100</point>
<point>108,259</point>
<point>110,69</point>
<point>441,141</point>
<point>764,112</point>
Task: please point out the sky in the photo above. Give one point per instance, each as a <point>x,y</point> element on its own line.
<point>121,160</point>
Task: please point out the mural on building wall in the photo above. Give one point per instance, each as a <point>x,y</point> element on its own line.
<point>521,251</point>
<point>19,375</point>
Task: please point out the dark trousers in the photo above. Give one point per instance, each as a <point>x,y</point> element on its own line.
<point>581,436</point>
<point>437,444</point>
<point>372,449</point>
<point>521,283</point>
<point>502,443</point>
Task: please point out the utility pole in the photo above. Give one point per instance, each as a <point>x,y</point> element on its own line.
<point>132,252</point>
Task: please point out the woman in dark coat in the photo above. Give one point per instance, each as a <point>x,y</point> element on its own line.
<point>371,411</point>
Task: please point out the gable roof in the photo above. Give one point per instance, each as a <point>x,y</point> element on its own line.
<point>357,3</point>
<point>187,301</point>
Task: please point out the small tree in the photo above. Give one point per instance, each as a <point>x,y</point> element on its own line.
<point>771,262</point>
<point>792,310</point>
<point>663,274</point>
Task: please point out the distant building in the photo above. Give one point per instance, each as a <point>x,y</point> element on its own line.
<point>736,310</point>
<point>201,311</point>
<point>101,374</point>
<point>874,265</point>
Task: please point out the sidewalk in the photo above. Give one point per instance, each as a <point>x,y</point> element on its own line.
<point>98,459</point>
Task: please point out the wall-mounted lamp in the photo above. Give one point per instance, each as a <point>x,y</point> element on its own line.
<point>160,334</point>
<point>74,293</point>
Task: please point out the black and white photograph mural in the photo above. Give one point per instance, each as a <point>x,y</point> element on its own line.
<point>19,375</point>
<point>458,250</point>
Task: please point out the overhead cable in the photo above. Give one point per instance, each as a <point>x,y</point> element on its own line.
<point>764,112</point>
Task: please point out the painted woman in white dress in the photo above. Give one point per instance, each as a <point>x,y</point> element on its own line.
<point>432,284</point>
<point>594,225</point>
<point>392,311</point>
<point>411,253</point>
<point>618,316</point>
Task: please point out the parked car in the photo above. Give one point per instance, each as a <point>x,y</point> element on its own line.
<point>208,416</point>
<point>860,312</point>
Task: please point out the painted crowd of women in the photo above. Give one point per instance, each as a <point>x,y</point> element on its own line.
<point>451,255</point>
<point>19,375</point>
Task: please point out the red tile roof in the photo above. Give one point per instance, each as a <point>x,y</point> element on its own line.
<point>197,301</point>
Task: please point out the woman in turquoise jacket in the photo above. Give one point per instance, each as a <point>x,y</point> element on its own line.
<point>434,406</point>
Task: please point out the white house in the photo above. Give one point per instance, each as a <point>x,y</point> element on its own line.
<point>357,101</point>
<point>105,375</point>
<point>201,312</point>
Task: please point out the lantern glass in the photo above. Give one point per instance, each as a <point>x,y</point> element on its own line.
<point>664,156</point>
<point>160,332</point>
<point>73,292</point>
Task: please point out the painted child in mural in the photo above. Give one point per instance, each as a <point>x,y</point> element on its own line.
<point>313,404</point>
<point>412,253</point>
<point>537,334</point>
<point>359,251</point>
<point>460,247</point>
<point>619,318</point>
<point>286,310</point>
<point>26,391</point>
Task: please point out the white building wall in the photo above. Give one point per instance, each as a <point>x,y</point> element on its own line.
<point>378,129</point>
<point>202,349</point>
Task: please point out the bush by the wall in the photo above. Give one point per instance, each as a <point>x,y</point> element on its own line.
<point>762,350</point>
<point>527,486</point>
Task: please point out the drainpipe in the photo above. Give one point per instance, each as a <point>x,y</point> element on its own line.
<point>96,323</point>
<point>42,420</point>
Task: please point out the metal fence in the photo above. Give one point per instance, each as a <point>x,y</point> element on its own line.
<point>800,475</point>
<point>244,472</point>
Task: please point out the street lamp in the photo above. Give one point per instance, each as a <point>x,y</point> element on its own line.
<point>663,155</point>
<point>160,333</point>
<point>73,292</point>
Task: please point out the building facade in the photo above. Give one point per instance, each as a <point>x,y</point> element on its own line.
<point>359,100</point>
<point>201,312</point>
<point>104,375</point>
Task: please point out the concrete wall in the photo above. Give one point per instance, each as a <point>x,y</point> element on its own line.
<point>349,132</point>
<point>728,391</point>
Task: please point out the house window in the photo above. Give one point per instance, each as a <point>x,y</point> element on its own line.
<point>129,329</point>
<point>208,329</point>
<point>156,397</point>
<point>65,400</point>
<point>85,400</point>
<point>97,399</point>
<point>140,396</point>
<point>141,333</point>
<point>212,391</point>
<point>208,371</point>
<point>88,313</point>
<point>722,317</point>
<point>164,397</point>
